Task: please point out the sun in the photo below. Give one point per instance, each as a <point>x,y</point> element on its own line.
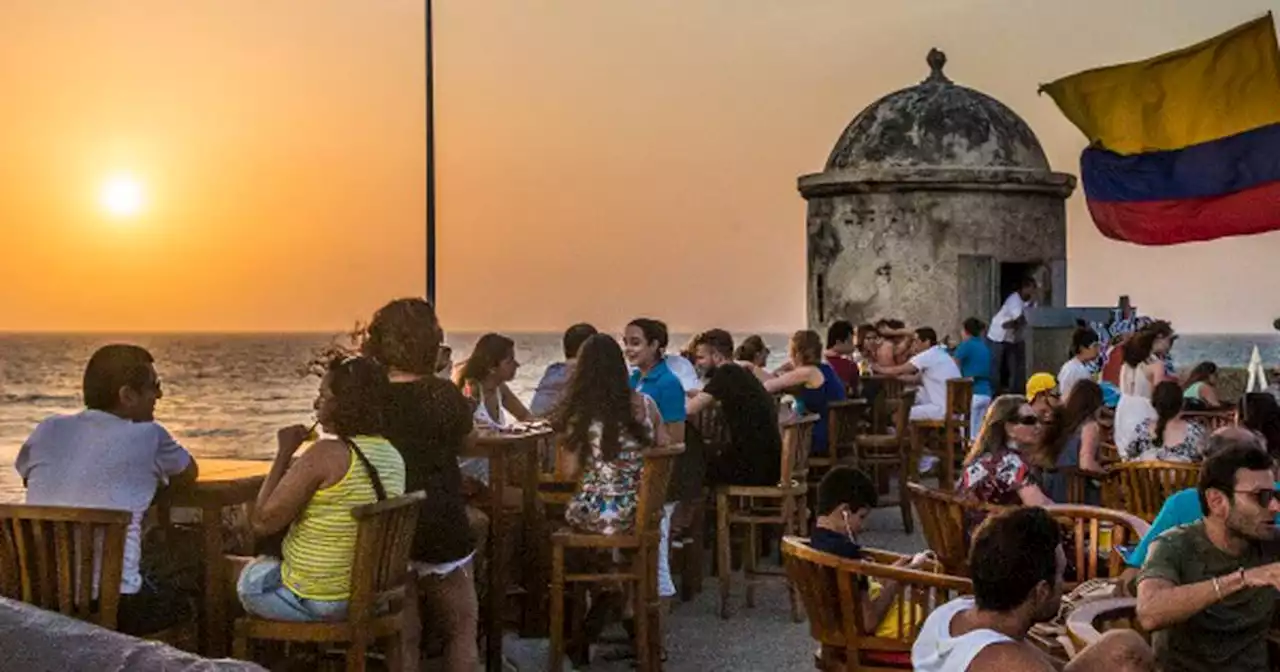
<point>122,196</point>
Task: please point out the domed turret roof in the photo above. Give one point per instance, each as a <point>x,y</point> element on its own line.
<point>938,124</point>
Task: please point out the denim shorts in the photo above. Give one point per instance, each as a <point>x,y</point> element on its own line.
<point>263,594</point>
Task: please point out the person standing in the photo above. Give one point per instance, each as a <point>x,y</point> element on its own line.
<point>974,359</point>
<point>1005,336</point>
<point>1085,348</point>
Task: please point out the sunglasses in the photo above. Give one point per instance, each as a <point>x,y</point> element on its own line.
<point>1026,420</point>
<point>1262,497</point>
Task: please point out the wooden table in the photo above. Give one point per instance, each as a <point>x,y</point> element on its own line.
<point>221,483</point>
<point>498,449</point>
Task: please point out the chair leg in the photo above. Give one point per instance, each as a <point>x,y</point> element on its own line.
<point>908,473</point>
<point>555,661</point>
<point>751,552</point>
<point>793,524</point>
<point>356,653</point>
<point>723,546</point>
<point>646,563</point>
<point>240,645</point>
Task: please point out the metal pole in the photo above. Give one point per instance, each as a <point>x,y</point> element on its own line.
<point>431,162</point>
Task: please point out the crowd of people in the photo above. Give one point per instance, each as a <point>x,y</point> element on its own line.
<point>397,415</point>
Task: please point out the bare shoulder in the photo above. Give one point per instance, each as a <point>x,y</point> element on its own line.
<point>325,456</point>
<point>1011,657</point>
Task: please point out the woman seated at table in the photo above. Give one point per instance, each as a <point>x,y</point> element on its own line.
<point>604,425</point>
<point>754,355</point>
<point>811,381</point>
<point>1200,390</point>
<point>1168,437</point>
<point>484,379</point>
<point>997,469</point>
<point>313,497</point>
<point>1073,442</point>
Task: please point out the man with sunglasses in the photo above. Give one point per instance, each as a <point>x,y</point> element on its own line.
<point>113,455</point>
<point>1207,590</point>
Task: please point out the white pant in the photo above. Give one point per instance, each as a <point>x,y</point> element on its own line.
<point>927,412</point>
<point>666,587</point>
<point>981,403</point>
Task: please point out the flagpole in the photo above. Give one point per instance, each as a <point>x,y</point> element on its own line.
<point>431,160</point>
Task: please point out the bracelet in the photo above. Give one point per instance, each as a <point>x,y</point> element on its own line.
<point>1217,587</point>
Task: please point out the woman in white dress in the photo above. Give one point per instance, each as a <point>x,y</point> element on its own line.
<point>1143,369</point>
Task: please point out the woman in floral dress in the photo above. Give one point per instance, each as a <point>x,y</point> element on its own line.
<point>995,470</point>
<point>603,426</point>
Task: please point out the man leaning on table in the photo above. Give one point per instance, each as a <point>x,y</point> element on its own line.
<point>1207,590</point>
<point>113,455</point>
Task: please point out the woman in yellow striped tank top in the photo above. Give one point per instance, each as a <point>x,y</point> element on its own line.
<point>313,496</point>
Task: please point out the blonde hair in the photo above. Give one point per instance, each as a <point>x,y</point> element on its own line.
<point>992,436</point>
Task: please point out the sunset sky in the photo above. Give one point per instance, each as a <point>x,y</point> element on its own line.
<point>598,159</point>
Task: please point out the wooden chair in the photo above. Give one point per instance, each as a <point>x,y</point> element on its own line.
<point>1108,454</point>
<point>641,572</point>
<point>948,438</point>
<point>880,452</point>
<point>942,520</point>
<point>381,588</point>
<point>1095,533</point>
<point>831,589</point>
<point>689,557</point>
<point>47,556</point>
<point>1145,485</point>
<point>784,504</point>
<point>1080,482</point>
<point>845,420</point>
<point>885,405</point>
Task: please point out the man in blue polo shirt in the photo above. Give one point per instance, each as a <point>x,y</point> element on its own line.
<point>974,358</point>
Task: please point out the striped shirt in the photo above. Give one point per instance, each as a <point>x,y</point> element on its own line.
<point>319,549</point>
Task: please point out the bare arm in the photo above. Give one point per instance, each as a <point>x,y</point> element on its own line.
<point>1032,495</point>
<point>1209,395</point>
<point>1090,440</point>
<point>514,406</point>
<point>1162,603</point>
<point>799,377</point>
<point>907,369</point>
<point>1011,657</point>
<point>698,403</point>
<point>290,485</point>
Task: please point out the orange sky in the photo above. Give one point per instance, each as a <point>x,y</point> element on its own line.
<point>597,160</point>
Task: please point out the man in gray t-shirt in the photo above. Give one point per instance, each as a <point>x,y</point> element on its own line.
<point>112,455</point>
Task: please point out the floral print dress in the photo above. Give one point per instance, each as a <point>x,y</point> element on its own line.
<point>606,501</point>
<point>995,478</point>
<point>1143,449</point>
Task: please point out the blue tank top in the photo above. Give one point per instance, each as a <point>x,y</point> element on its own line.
<point>816,399</point>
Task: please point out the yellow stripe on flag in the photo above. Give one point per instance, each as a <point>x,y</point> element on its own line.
<point>1223,86</point>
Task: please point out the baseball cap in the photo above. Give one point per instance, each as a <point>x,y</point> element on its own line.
<point>1041,383</point>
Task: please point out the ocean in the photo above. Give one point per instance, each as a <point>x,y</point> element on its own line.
<point>226,395</point>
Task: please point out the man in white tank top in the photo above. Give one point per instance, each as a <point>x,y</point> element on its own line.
<point>1017,565</point>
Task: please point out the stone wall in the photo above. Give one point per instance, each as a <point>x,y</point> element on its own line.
<point>895,253</point>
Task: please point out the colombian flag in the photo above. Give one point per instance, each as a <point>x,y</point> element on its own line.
<point>1185,146</point>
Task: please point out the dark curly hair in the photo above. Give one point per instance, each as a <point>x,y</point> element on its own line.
<point>404,335</point>
<point>1013,551</point>
<point>360,392</point>
<point>489,352</point>
<point>598,391</point>
<point>1167,400</point>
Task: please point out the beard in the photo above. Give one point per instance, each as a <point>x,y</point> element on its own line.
<point>1244,527</point>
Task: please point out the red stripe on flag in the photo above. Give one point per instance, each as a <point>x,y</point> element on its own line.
<point>1248,212</point>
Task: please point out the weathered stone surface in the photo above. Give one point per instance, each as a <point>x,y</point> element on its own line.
<point>919,179</point>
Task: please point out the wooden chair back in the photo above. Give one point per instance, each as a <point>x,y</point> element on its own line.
<point>844,423</point>
<point>710,422</point>
<point>891,390</point>
<point>1095,533</point>
<point>48,555</point>
<point>1080,482</point>
<point>831,590</point>
<point>1145,485</point>
<point>1108,454</point>
<point>654,478</point>
<point>797,443</point>
<point>959,410</point>
<point>942,520</point>
<point>902,415</point>
<point>384,538</point>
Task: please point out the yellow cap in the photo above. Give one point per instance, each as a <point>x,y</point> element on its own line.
<point>1039,384</point>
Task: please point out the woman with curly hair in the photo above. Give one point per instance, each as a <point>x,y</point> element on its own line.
<point>430,422</point>
<point>484,379</point>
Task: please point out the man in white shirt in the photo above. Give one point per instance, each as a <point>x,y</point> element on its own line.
<point>1085,347</point>
<point>931,367</point>
<point>1017,567</point>
<point>113,455</point>
<point>1008,350</point>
